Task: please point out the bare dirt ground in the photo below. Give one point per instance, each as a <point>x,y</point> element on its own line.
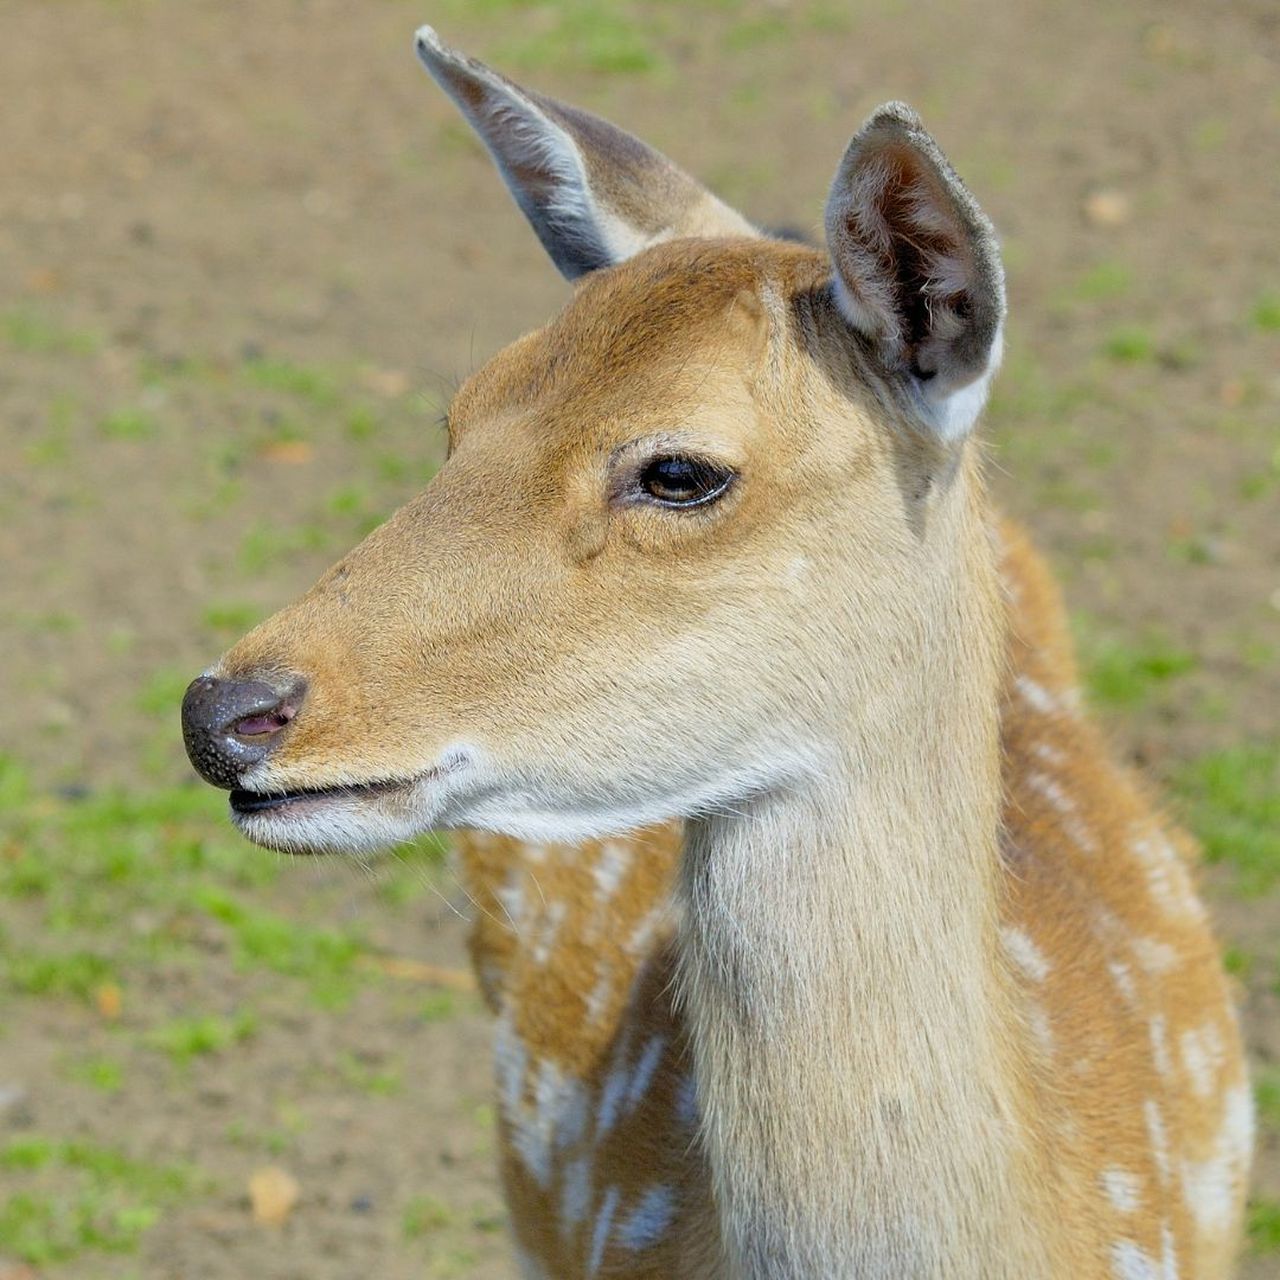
<point>246,250</point>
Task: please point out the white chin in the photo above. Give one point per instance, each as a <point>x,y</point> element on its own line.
<point>338,821</point>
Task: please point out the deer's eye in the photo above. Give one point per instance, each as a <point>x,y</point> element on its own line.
<point>679,481</point>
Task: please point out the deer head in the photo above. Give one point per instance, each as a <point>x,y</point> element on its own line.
<point>706,512</point>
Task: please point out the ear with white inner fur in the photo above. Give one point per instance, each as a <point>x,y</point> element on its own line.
<point>594,194</point>
<point>917,269</point>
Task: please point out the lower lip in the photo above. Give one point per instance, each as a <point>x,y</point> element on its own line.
<point>259,802</point>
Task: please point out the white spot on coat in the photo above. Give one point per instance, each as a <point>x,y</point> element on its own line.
<point>1065,807</point>
<point>1025,954</point>
<point>625,1086</point>
<point>548,926</point>
<point>556,1118</point>
<point>642,935</point>
<point>511,1063</point>
<point>649,1221</point>
<point>1213,1188</point>
<point>1160,1045</point>
<point>1159,1137</point>
<point>1037,697</point>
<point>600,1232</point>
<point>1198,1061</point>
<point>598,996</point>
<point>575,1194</point>
<point>1041,1028</point>
<point>1157,958</point>
<point>650,1056</point>
<point>1122,976</point>
<point>1168,1254</point>
<point>1168,880</point>
<point>511,897</point>
<point>687,1102</point>
<point>612,865</point>
<point>1129,1262</point>
<point>1124,1189</point>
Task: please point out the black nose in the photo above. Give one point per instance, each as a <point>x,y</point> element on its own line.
<point>230,725</point>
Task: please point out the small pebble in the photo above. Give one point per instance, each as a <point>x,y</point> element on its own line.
<point>1107,208</point>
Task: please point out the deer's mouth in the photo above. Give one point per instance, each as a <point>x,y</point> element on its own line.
<point>346,817</point>
<point>254,802</point>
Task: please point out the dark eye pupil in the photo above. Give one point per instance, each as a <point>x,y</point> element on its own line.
<point>681,481</point>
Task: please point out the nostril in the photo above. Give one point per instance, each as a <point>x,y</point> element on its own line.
<point>266,723</point>
<point>230,725</point>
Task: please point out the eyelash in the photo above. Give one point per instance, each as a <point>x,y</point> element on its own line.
<point>681,482</point>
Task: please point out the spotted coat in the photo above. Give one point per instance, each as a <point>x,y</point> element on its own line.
<point>1130,1029</point>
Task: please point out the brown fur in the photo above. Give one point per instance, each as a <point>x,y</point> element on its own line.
<point>920,985</point>
<point>1085,911</point>
<point>515,646</point>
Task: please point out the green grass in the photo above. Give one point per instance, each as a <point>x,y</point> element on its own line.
<point>186,1038</point>
<point>1264,1226</point>
<point>356,505</point>
<point>1266,1090</point>
<point>231,618</point>
<point>1102,282</point>
<point>1262,482</point>
<point>82,864</point>
<point>266,546</point>
<point>29,331</point>
<point>129,424</point>
<point>366,1077</point>
<point>80,1197</point>
<point>103,1074</point>
<point>1265,316</point>
<point>72,973</point>
<point>361,424</point>
<point>424,1215</point>
<point>438,1006</point>
<point>166,860</point>
<point>1027,394</point>
<point>274,1140</point>
<point>162,695</point>
<point>315,386</point>
<point>1127,673</point>
<point>1130,344</point>
<point>1233,802</point>
<point>325,959</point>
<point>754,32</point>
<point>1195,550</point>
<point>584,35</point>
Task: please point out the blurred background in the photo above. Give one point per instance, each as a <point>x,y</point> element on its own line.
<point>246,250</point>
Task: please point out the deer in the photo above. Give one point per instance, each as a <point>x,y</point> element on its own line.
<point>824,935</point>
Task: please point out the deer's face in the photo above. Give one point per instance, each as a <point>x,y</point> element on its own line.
<point>615,602</point>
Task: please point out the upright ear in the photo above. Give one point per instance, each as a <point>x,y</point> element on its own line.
<point>917,270</point>
<point>594,194</point>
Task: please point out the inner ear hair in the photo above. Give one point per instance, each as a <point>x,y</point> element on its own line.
<point>917,268</point>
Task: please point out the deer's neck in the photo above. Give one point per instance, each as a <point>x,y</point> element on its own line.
<point>851,1029</point>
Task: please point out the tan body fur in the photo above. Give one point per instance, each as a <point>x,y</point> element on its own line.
<point>904,976</point>
<point>1132,1052</point>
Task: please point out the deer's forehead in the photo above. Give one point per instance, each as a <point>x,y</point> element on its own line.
<point>646,336</point>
